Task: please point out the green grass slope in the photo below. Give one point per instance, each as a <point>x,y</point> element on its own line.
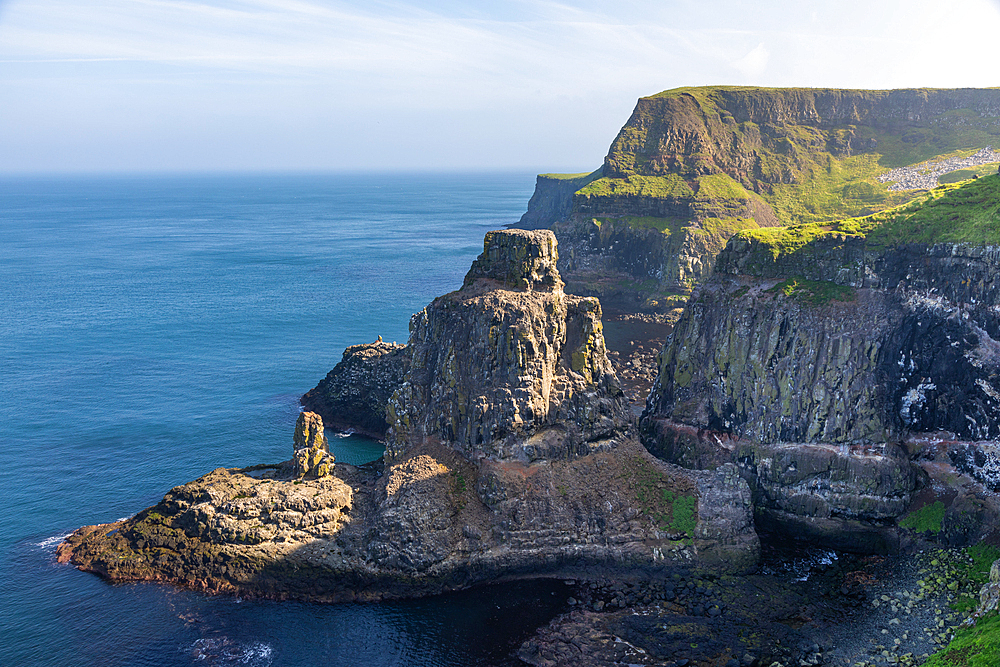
<point>813,155</point>
<point>966,212</point>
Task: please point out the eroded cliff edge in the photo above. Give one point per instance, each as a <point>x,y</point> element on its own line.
<point>510,454</point>
<point>851,371</point>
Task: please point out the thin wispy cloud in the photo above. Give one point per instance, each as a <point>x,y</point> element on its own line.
<point>520,80</point>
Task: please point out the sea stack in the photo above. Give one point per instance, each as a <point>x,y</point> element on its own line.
<point>311,453</point>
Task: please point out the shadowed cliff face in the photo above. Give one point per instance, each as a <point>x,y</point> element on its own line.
<point>811,365</point>
<point>510,455</point>
<point>354,394</point>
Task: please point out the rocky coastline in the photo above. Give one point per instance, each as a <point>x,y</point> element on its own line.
<point>510,454</point>
<point>830,393</point>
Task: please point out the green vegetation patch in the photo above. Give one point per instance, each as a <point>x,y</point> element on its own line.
<point>829,188</point>
<point>787,240</point>
<point>982,556</point>
<point>967,212</point>
<point>671,509</point>
<point>927,519</point>
<point>978,646</point>
<point>956,176</point>
<point>457,482</point>
<point>720,186</point>
<point>965,174</point>
<point>669,186</point>
<point>570,177</point>
<point>814,292</point>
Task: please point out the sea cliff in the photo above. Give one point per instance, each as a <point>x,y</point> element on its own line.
<point>692,166</point>
<point>850,370</point>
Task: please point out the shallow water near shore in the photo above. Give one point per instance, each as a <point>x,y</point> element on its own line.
<point>155,328</point>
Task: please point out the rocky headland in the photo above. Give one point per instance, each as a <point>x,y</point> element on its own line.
<point>693,166</point>
<point>510,453</point>
<point>829,395</point>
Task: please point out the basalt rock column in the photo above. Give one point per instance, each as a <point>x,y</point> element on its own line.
<point>509,366</point>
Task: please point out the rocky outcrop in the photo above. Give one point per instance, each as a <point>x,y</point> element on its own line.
<point>354,394</point>
<point>510,454</point>
<point>820,385</point>
<point>510,366</point>
<point>552,199</point>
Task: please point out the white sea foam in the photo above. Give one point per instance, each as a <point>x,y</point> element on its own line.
<point>52,542</point>
<point>222,651</point>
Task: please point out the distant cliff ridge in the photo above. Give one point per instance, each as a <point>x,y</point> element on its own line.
<point>553,198</point>
<point>695,165</point>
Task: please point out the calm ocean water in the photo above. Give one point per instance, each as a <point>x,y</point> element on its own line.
<point>155,328</point>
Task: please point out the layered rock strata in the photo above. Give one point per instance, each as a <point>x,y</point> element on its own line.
<point>510,454</point>
<point>822,370</point>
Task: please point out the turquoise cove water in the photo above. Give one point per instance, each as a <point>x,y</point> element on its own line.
<point>155,328</point>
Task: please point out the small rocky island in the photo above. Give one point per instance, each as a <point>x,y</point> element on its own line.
<point>510,454</point>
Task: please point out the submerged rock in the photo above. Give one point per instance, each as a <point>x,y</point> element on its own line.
<point>510,454</point>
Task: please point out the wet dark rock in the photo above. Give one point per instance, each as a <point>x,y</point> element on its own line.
<point>354,394</point>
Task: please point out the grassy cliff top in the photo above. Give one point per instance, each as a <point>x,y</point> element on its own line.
<point>586,175</point>
<point>966,212</point>
<point>708,187</point>
<point>708,91</point>
<point>813,154</point>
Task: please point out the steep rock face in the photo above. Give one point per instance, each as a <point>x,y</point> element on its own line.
<point>813,382</point>
<point>759,135</point>
<point>354,394</point>
<point>552,199</point>
<point>754,363</point>
<point>510,455</point>
<point>510,366</point>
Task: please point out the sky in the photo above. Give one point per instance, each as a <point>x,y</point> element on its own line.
<point>324,85</point>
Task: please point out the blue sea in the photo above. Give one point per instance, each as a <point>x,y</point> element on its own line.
<point>154,328</point>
